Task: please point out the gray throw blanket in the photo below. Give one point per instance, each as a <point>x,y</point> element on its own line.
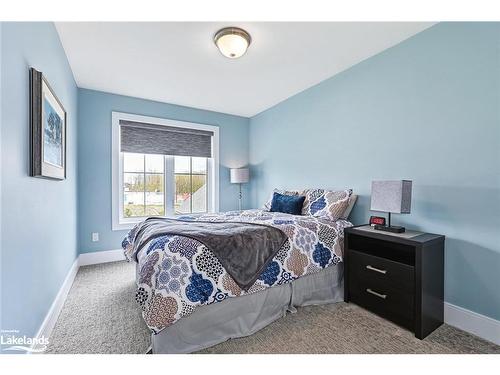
<point>243,249</point>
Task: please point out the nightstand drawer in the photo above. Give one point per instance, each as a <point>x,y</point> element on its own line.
<point>380,272</point>
<point>386,302</point>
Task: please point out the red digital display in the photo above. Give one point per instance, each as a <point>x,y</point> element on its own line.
<point>377,220</point>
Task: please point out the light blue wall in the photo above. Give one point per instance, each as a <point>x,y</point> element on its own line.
<point>94,137</point>
<point>38,216</point>
<point>427,110</point>
<point>1,62</point>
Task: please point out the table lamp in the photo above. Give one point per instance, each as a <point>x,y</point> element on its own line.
<point>391,197</point>
<point>239,176</point>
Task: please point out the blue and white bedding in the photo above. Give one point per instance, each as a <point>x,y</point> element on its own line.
<point>177,274</point>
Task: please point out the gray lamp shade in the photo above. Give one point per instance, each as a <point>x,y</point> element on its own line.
<point>240,175</point>
<point>391,196</point>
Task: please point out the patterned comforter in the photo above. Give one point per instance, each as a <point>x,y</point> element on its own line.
<point>177,274</point>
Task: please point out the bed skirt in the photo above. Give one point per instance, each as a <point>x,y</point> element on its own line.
<point>241,316</point>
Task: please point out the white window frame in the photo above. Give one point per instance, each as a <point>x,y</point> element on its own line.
<point>121,223</point>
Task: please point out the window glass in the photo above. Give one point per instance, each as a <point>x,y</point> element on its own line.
<point>199,165</point>
<point>155,163</point>
<point>190,185</point>
<point>155,205</point>
<point>155,202</point>
<point>154,183</point>
<point>182,193</point>
<point>133,181</point>
<point>133,162</point>
<point>182,164</point>
<point>199,193</point>
<point>143,193</point>
<point>133,195</point>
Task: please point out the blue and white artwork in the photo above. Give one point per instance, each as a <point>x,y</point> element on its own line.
<point>52,137</point>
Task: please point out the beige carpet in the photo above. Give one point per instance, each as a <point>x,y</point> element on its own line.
<point>100,316</point>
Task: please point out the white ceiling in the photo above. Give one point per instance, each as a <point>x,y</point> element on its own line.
<point>177,62</point>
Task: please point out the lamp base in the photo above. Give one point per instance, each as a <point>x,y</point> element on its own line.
<point>392,229</point>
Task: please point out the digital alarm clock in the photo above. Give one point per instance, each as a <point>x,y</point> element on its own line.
<point>377,220</point>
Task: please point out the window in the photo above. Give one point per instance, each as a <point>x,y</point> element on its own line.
<point>191,194</point>
<point>149,182</point>
<point>143,185</point>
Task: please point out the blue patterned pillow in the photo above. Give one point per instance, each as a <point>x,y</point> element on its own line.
<point>288,204</point>
<point>327,204</point>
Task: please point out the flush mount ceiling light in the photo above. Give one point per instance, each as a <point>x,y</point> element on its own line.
<point>232,42</point>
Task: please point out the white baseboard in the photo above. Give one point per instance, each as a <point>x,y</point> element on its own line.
<point>51,318</point>
<point>480,325</point>
<point>97,257</point>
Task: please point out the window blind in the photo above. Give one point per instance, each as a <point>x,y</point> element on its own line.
<point>165,140</point>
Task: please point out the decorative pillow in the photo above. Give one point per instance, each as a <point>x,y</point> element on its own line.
<point>350,206</point>
<point>326,203</point>
<point>267,205</point>
<point>288,204</point>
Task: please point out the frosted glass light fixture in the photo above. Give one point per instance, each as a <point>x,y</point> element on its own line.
<point>232,42</point>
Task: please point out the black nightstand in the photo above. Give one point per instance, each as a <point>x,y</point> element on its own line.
<point>399,276</point>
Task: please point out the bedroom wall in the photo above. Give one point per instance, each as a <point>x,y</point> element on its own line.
<point>38,220</point>
<point>428,110</point>
<point>94,136</point>
<point>1,62</point>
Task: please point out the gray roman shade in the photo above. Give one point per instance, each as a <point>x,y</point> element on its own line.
<point>165,140</point>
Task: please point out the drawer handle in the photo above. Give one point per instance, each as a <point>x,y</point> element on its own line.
<point>383,296</point>
<point>368,267</point>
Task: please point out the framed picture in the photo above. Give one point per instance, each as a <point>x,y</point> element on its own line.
<point>48,130</point>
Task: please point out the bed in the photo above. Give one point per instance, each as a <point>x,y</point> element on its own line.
<point>190,301</point>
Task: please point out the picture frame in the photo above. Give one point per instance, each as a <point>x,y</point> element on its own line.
<point>47,130</point>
